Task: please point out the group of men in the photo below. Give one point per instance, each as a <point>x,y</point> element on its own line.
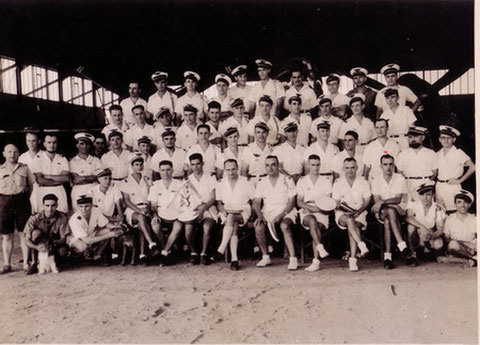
<point>187,165</point>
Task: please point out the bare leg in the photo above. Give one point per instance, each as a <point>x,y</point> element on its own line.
<point>176,230</point>
<point>25,250</point>
<point>207,227</point>
<point>189,237</point>
<point>144,226</point>
<point>261,237</point>
<point>7,248</point>
<point>286,227</point>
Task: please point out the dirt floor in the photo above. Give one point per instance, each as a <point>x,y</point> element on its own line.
<point>433,303</point>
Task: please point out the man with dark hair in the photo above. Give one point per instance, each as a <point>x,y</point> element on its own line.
<point>301,118</point>
<point>169,152</point>
<point>340,101</point>
<point>264,106</point>
<point>239,120</point>
<point>16,182</point>
<point>162,98</point>
<point>117,122</point>
<point>100,146</point>
<point>350,141</point>
<point>301,88</point>
<point>277,194</point>
<point>134,99</point>
<point>325,115</point>
<point>359,76</point>
<point>191,97</point>
<point>117,158</point>
<point>51,225</point>
<point>208,151</point>
<point>290,153</point>
<point>139,129</point>
<point>164,122</point>
<point>187,132</point>
<point>214,109</point>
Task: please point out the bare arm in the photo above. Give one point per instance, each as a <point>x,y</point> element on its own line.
<point>51,180</point>
<point>77,179</point>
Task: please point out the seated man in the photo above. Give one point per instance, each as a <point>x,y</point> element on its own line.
<point>427,218</point>
<point>352,194</point>
<point>52,224</point>
<point>91,230</point>
<point>277,191</point>
<point>107,196</point>
<point>233,194</point>
<point>309,189</point>
<point>460,231</point>
<point>389,190</point>
<point>135,194</point>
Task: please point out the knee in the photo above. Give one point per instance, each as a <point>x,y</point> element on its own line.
<point>437,244</point>
<point>411,229</point>
<point>453,245</point>
<point>259,230</point>
<point>285,228</point>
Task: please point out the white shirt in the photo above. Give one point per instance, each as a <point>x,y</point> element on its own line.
<point>353,196</point>
<point>387,190</point>
<point>177,159</point>
<point>404,95</point>
<point>309,99</point>
<point>135,132</point>
<point>235,198</point>
<point>303,124</point>
<point>241,92</point>
<point>106,201</point>
<point>461,230</point>
<point>118,164</point>
<point>326,156</point>
<point>335,125</point>
<point>209,156</point>
<point>312,192</point>
<point>186,137</point>
<point>214,132</point>
<point>275,197</point>
<point>138,191</point>
<point>85,167</point>
<point>81,228</point>
<point>228,154</point>
<point>365,130</point>
<point>273,88</point>
<point>417,164</point>
<point>451,165</point>
<point>337,162</point>
<point>112,127</point>
<point>273,125</point>
<point>254,157</point>
<point>205,186</point>
<point>158,129</point>
<point>375,150</point>
<point>241,126</point>
<point>127,105</point>
<point>339,100</point>
<point>224,103</point>
<point>162,196</point>
<point>155,102</point>
<point>435,215</point>
<point>42,164</point>
<point>400,120</point>
<point>197,100</point>
<point>290,157</point>
<point>27,159</point>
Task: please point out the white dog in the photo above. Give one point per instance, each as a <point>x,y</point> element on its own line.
<point>46,261</point>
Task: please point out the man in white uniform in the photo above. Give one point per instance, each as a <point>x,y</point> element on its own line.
<point>302,119</point>
<point>253,158</point>
<point>451,164</point>
<point>323,149</point>
<point>265,105</point>
<point>117,122</point>
<point>134,99</point>
<point>192,97</point>
<point>214,123</point>
<point>33,144</point>
<point>187,132</point>
<point>51,172</point>
<point>171,153</point>
<point>232,151</point>
<point>162,98</point>
<point>117,158</point>
<point>164,121</point>
<point>277,192</point>
<point>139,129</point>
<point>222,82</point>
<point>359,76</point>
<point>339,100</point>
<point>290,153</point>
<point>238,120</point>
<point>350,150</point>
<point>107,196</point>
<point>208,151</point>
<point>352,194</point>
<point>325,115</point>
<point>303,89</point>
<point>241,89</point>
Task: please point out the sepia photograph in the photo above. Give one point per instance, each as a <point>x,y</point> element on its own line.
<point>238,172</point>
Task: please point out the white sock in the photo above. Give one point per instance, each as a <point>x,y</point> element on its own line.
<point>234,247</point>
<point>387,256</point>
<point>270,248</point>
<point>164,252</point>
<point>227,233</point>
<point>151,245</point>
<point>402,245</point>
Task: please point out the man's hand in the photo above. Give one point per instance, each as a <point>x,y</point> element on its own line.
<point>376,207</point>
<point>259,221</point>
<point>117,233</point>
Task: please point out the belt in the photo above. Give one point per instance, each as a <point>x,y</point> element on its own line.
<point>117,179</point>
<point>397,136</point>
<point>442,181</point>
<point>417,177</point>
<point>142,204</point>
<point>178,177</point>
<point>263,175</point>
<point>326,174</point>
<point>242,145</point>
<point>305,112</point>
<point>362,144</point>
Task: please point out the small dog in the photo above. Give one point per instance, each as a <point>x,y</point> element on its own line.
<point>46,259</point>
<point>129,244</point>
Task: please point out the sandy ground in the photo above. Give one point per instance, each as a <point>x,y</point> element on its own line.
<point>433,303</point>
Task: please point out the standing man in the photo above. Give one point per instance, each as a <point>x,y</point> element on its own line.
<point>100,146</point>
<point>266,86</point>
<point>162,98</point>
<point>277,192</point>
<point>134,99</point>
<point>83,167</point>
<point>51,172</point>
<point>117,122</point>
<point>117,159</point>
<point>359,76</point>
<point>107,196</point>
<point>339,100</point>
<point>191,97</point>
<point>208,151</point>
<point>301,88</point>
<point>214,122</point>
<point>16,183</point>
<point>301,118</point>
<point>187,132</point>
<point>241,90</point>
<point>405,95</point>
<point>253,158</point>
<point>232,151</point>
<point>33,144</point>
<point>325,115</point>
<point>350,150</point>
<point>222,82</point>
<point>418,164</point>
<point>265,104</point>
<point>169,152</point>
<point>164,121</point>
<point>139,129</point>
<point>451,164</point>
<point>290,153</point>
<point>238,120</point>
<point>323,149</point>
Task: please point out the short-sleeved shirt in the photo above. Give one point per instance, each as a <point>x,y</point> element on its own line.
<point>135,132</point>
<point>326,155</point>
<point>228,154</point>
<point>365,130</point>
<point>404,95</point>
<point>155,102</point>
<point>353,195</point>
<point>451,165</point>
<point>127,105</point>
<point>243,93</point>
<point>254,157</point>
<point>186,136</point>
<point>312,192</point>
<point>118,164</point>
<point>309,99</point>
<point>461,230</point>
<point>204,186</point>
<point>235,198</point>
<point>417,164</point>
<point>240,126</point>
<point>276,196</point>
<point>15,181</point>
<point>27,159</point>
<point>273,88</point>
<point>55,226</point>
<point>387,190</point>
<point>370,96</point>
<point>197,100</point>
<point>214,131</point>
<point>80,227</point>
<point>304,122</point>
<point>400,120</point>
<point>273,125</point>
<point>106,201</point>
<point>339,100</point>
<point>337,162</point>
<point>435,215</point>
<point>85,167</point>
<point>43,164</point>
<point>177,158</point>
<point>375,150</point>
<point>290,157</point>
<point>335,125</point>
<point>224,103</point>
<point>138,191</point>
<point>162,196</point>
<point>111,127</point>
<point>209,156</point>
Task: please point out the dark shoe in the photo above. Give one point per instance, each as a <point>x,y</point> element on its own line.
<point>154,252</point>
<point>31,270</point>
<point>412,261</point>
<point>194,259</point>
<point>143,261</point>
<point>388,264</point>
<point>405,253</point>
<point>218,257</point>
<point>6,269</point>
<point>234,266</point>
<point>205,260</point>
<point>166,260</point>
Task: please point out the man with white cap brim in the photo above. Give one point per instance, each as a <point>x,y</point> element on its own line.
<point>240,89</point>
<point>359,77</point>
<point>192,97</point>
<point>162,98</point>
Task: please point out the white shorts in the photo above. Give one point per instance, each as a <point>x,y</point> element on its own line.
<point>445,195</point>
<point>321,218</point>
<point>272,213</point>
<point>362,219</point>
<point>129,215</point>
<point>211,213</point>
<point>246,213</point>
